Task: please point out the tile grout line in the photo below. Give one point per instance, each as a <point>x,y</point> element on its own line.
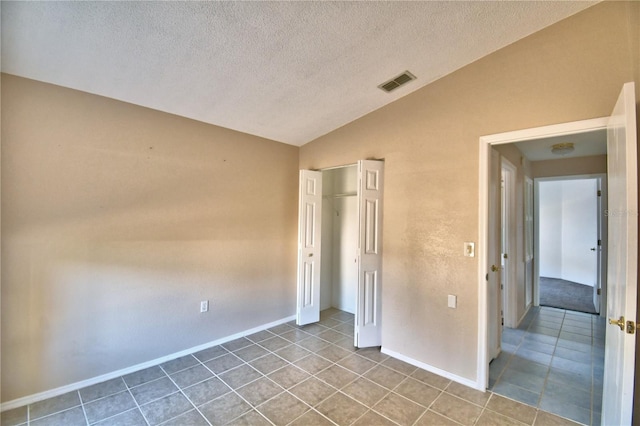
<point>233,390</point>
<point>553,354</point>
<point>135,401</point>
<point>592,361</point>
<point>183,394</point>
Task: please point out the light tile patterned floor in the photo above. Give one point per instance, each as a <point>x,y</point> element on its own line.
<point>554,361</point>
<point>283,376</point>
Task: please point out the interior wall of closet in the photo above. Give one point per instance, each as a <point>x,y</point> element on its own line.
<point>339,274</point>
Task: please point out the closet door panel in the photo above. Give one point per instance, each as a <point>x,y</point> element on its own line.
<point>309,247</point>
<point>369,303</point>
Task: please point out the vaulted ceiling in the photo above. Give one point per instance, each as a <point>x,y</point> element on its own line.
<point>287,71</point>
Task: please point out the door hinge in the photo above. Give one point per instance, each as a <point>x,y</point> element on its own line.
<point>502,321</point>
<point>599,291</point>
<point>505,256</point>
<point>599,242</point>
<point>501,286</point>
<point>599,193</point>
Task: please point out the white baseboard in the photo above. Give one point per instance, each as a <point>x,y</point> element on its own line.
<point>432,369</point>
<point>30,399</point>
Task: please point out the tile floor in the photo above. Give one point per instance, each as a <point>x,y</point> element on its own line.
<point>553,361</point>
<point>283,376</point>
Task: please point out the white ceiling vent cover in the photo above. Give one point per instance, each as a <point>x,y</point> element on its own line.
<point>396,82</point>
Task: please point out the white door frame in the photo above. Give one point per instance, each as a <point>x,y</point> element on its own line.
<point>602,235</point>
<point>508,240</point>
<point>486,142</point>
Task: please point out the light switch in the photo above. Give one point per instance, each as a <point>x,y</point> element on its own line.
<point>469,249</point>
<point>452,301</point>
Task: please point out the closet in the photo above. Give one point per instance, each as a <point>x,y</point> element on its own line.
<point>339,274</point>
<point>340,246</point>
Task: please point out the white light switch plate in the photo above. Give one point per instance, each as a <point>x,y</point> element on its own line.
<point>469,249</point>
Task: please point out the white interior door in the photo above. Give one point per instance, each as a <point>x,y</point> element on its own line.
<point>494,295</point>
<point>309,247</point>
<point>617,404</point>
<point>369,300</point>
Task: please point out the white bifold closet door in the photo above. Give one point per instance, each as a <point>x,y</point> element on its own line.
<point>309,246</point>
<point>367,326</point>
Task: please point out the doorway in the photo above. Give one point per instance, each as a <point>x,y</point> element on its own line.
<point>339,268</point>
<point>544,353</point>
<point>622,261</point>
<point>340,246</point>
<point>571,242</point>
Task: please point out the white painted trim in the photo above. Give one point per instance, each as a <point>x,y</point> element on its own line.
<point>482,376</point>
<point>510,224</point>
<point>562,129</point>
<point>30,399</point>
<point>582,126</point>
<point>432,369</point>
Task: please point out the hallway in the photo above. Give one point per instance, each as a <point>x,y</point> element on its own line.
<point>554,361</point>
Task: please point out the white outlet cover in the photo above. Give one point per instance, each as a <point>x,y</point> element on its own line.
<point>452,301</point>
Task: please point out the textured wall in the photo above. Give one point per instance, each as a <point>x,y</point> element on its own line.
<point>117,220</point>
<point>570,166</point>
<point>570,71</point>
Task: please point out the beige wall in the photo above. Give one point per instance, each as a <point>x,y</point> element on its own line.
<point>570,71</point>
<point>594,164</point>
<point>117,220</point>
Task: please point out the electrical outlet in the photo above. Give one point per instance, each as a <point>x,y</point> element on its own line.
<point>204,306</point>
<point>452,301</point>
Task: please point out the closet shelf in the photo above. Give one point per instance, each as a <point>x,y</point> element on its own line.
<point>346,194</point>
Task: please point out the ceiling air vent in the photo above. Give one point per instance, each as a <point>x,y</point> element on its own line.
<point>398,81</point>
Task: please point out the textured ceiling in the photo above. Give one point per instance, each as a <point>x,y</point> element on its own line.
<point>287,71</point>
<point>585,144</point>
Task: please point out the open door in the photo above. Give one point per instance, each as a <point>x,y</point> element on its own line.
<point>309,247</point>
<point>494,294</point>
<point>617,404</point>
<point>369,300</point>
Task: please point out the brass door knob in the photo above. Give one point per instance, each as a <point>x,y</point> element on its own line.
<point>494,268</point>
<point>618,322</point>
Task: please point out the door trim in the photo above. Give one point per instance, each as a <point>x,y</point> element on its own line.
<point>482,377</point>
<point>509,224</point>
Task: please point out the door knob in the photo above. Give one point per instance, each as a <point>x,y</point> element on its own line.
<point>619,322</point>
<point>494,268</point>
<point>310,254</point>
<point>592,249</point>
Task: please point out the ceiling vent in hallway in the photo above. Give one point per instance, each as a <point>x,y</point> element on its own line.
<point>398,81</point>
